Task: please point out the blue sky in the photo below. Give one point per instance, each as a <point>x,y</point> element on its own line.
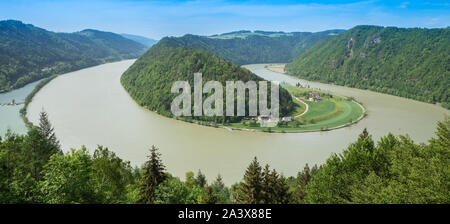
<point>156,19</point>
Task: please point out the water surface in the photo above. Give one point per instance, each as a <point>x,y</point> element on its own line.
<point>9,114</point>
<point>90,107</point>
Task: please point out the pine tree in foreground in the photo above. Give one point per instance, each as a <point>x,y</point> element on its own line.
<point>282,194</point>
<point>153,175</point>
<point>251,190</point>
<point>269,183</point>
<point>275,189</point>
<point>46,130</point>
<point>222,191</point>
<point>210,197</point>
<point>200,180</point>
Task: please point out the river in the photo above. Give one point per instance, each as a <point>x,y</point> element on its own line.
<point>10,114</point>
<point>90,107</point>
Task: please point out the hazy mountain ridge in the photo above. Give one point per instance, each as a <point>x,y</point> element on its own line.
<point>140,39</point>
<point>255,47</point>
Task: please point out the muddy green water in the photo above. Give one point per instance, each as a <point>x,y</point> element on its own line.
<point>90,107</point>
<point>9,114</point>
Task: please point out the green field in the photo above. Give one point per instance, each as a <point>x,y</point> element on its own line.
<point>329,113</point>
<point>299,108</point>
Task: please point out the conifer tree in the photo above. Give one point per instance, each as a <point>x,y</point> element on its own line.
<point>443,134</point>
<point>218,183</point>
<point>200,180</point>
<point>210,197</point>
<point>153,175</point>
<point>303,178</point>
<point>269,185</point>
<point>364,134</point>
<point>47,131</point>
<point>251,190</point>
<point>222,191</point>
<point>282,195</point>
<point>315,169</point>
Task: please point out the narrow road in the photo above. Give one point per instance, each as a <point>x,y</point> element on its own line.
<point>306,105</point>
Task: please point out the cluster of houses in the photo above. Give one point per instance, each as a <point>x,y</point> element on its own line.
<point>269,121</point>
<point>314,97</point>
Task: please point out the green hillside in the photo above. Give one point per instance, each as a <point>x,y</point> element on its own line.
<point>412,63</point>
<point>150,78</point>
<point>29,53</point>
<point>246,47</point>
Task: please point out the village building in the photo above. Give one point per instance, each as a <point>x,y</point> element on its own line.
<point>267,121</point>
<point>315,97</point>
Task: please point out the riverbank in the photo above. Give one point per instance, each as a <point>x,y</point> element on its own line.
<point>276,68</point>
<point>29,98</point>
<point>337,122</point>
<point>351,113</point>
<point>279,68</point>
<point>39,86</point>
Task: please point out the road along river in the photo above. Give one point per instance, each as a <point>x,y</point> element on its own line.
<point>90,107</point>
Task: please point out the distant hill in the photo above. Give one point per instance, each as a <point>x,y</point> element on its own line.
<point>247,47</point>
<point>412,63</point>
<point>150,78</point>
<point>29,53</point>
<point>140,39</point>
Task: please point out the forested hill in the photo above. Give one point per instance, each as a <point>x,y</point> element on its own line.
<point>246,47</point>
<point>412,63</point>
<point>150,78</point>
<point>29,53</point>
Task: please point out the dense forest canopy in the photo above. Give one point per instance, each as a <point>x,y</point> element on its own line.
<point>33,169</point>
<point>246,47</point>
<point>29,53</point>
<point>150,78</point>
<point>412,62</point>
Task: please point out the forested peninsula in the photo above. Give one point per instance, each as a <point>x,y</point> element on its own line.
<point>150,78</point>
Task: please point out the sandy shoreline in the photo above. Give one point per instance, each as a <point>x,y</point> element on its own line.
<point>276,68</point>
